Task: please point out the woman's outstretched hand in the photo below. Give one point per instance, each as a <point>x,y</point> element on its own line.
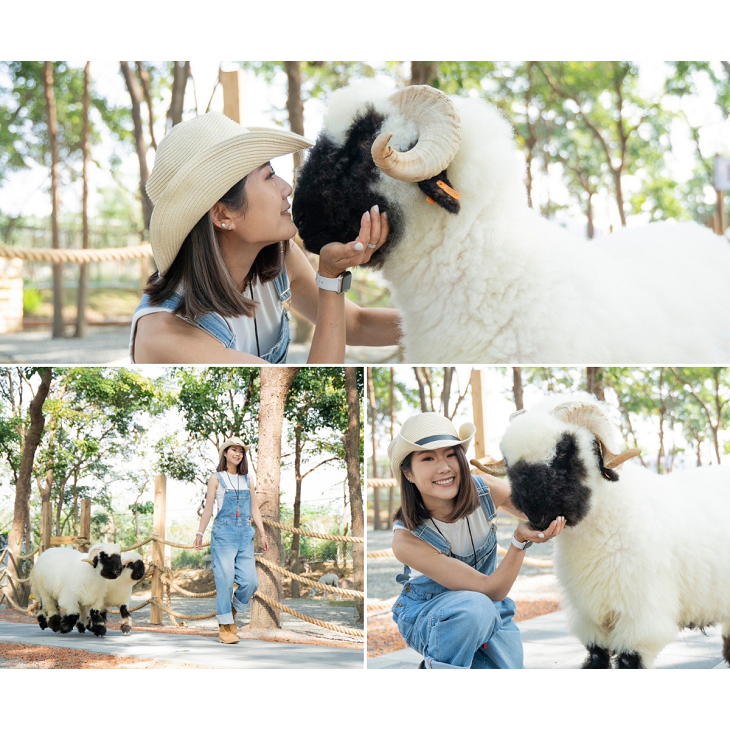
<point>198,542</point>
<point>523,533</point>
<point>264,543</point>
<point>335,258</point>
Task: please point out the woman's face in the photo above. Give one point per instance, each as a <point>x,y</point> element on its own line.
<point>267,218</point>
<point>436,475</point>
<point>234,456</point>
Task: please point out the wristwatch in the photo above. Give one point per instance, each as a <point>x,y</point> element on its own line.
<point>520,545</point>
<point>340,284</point>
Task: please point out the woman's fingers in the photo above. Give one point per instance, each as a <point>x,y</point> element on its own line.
<point>335,257</point>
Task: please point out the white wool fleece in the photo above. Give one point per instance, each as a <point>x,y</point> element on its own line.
<point>497,283</point>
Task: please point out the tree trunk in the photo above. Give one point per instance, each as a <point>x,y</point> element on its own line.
<point>421,380</point>
<point>144,80</point>
<point>275,383</point>
<point>83,293</point>
<point>424,72</point>
<point>180,75</point>
<point>295,105</point>
<point>297,509</point>
<point>136,96</point>
<point>21,512</point>
<point>446,390</point>
<point>595,384</point>
<point>517,388</point>
<point>618,183</point>
<point>352,455</point>
<point>52,121</point>
<point>591,230</point>
<point>530,140</point>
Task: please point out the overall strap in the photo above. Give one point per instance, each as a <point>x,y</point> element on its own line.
<point>281,284</point>
<point>430,536</point>
<point>485,497</point>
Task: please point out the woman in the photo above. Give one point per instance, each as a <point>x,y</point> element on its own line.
<point>226,270</point>
<point>454,608</point>
<point>231,540</point>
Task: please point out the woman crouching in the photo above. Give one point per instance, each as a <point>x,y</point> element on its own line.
<point>454,608</point>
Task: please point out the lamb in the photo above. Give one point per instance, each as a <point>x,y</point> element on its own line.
<point>67,581</point>
<point>482,278</point>
<point>633,568</point>
<point>119,592</point>
<point>328,579</point>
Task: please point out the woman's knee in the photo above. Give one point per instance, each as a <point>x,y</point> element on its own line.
<point>473,613</point>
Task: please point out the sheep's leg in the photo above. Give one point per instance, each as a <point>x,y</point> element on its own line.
<point>97,623</point>
<point>126,619</point>
<point>83,620</point>
<point>726,641</point>
<point>629,660</point>
<point>50,612</point>
<point>68,622</point>
<point>598,658</point>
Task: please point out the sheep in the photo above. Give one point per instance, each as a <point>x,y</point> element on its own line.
<point>484,278</point>
<point>328,579</point>
<point>67,581</point>
<point>119,593</point>
<point>633,568</point>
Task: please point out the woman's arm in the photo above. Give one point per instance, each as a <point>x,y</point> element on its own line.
<point>207,510</point>
<point>256,514</point>
<point>458,576</point>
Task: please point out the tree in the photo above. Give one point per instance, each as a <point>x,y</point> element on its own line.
<point>275,384</point>
<point>83,268</point>
<point>354,451</point>
<point>29,433</point>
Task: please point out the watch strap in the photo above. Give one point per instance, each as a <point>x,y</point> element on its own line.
<point>339,284</point>
<point>520,545</point>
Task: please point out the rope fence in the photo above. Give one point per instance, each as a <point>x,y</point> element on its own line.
<point>307,533</point>
<point>535,562</point>
<point>76,256</point>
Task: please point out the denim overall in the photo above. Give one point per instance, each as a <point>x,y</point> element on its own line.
<point>231,549</point>
<point>214,324</point>
<point>459,629</point>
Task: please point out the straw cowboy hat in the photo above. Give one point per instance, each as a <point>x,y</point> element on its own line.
<point>426,432</point>
<point>233,441</point>
<point>196,164</point>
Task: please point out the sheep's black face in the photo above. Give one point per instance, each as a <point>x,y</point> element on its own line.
<point>111,565</point>
<point>546,491</point>
<point>137,568</point>
<point>334,189</point>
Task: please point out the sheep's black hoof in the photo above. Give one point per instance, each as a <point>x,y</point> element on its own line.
<point>54,623</point>
<point>68,622</point>
<point>98,629</point>
<point>629,661</point>
<point>126,629</point>
<point>42,622</point>
<point>726,648</point>
<point>103,615</point>
<point>598,658</point>
<point>80,627</point>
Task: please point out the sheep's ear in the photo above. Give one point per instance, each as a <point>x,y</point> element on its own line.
<point>439,191</point>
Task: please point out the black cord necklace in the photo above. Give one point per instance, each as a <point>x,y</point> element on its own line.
<point>255,324</point>
<point>468,526</point>
<point>236,488</point>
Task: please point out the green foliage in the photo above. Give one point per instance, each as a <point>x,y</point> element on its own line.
<point>145,508</point>
<point>189,558</point>
<point>32,300</point>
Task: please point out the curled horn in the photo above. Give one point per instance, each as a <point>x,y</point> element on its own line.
<point>590,416</point>
<point>494,468</point>
<point>86,560</point>
<point>439,135</point>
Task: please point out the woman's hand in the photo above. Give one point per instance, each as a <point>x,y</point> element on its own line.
<point>264,543</point>
<point>336,258</point>
<point>198,542</point>
<point>523,533</point>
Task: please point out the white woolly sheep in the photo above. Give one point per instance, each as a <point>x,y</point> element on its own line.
<point>634,567</point>
<point>119,592</point>
<point>67,582</point>
<point>485,279</point>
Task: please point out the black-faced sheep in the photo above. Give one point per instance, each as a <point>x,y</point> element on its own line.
<point>483,278</point>
<point>642,555</point>
<point>67,582</point>
<point>119,593</point>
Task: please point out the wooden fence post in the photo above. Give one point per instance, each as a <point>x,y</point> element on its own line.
<point>85,526</point>
<point>232,83</point>
<point>158,549</point>
<point>479,412</point>
<point>46,521</point>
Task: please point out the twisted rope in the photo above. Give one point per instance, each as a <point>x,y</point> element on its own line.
<point>76,256</point>
<point>17,557</point>
<point>316,622</point>
<point>382,483</point>
<point>136,608</point>
<point>137,545</point>
<point>170,612</point>
<point>381,605</point>
<point>14,605</point>
<point>309,582</point>
<point>307,533</point>
<point>11,578</point>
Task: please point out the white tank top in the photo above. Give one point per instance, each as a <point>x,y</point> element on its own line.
<point>268,322</point>
<point>457,533</point>
<point>233,482</point>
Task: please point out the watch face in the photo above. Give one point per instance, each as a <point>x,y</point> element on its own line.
<point>346,281</point>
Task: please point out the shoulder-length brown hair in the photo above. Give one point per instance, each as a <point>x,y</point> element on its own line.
<point>200,272</point>
<point>413,512</point>
<point>242,467</point>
